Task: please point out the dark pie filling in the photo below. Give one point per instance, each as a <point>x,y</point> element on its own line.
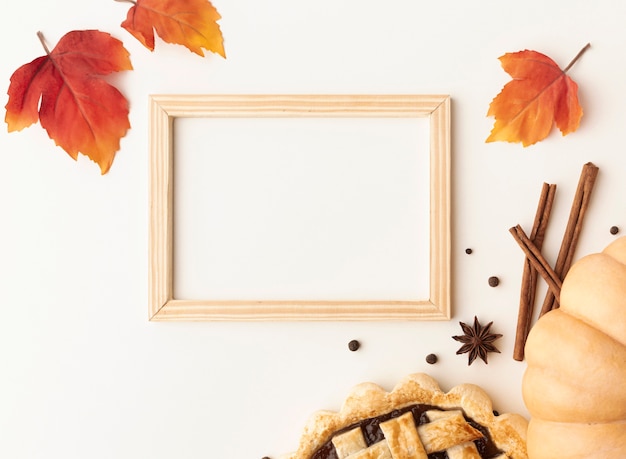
<point>373,434</point>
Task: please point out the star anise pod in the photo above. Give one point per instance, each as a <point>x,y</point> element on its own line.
<point>477,341</point>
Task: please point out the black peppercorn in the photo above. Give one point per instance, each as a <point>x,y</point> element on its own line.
<point>494,281</point>
<point>354,345</point>
<point>468,251</point>
<point>614,230</point>
<point>431,359</point>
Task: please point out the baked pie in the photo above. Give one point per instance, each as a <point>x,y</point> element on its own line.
<point>416,420</point>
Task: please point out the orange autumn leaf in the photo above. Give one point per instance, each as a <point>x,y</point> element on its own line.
<point>191,23</point>
<point>539,96</point>
<point>80,111</point>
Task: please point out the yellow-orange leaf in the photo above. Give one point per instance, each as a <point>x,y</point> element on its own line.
<point>539,96</point>
<point>191,23</point>
<point>80,111</point>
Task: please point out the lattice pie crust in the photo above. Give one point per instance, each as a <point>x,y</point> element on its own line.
<point>447,429</point>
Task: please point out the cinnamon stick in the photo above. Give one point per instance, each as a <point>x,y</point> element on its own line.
<point>572,231</point>
<point>537,260</point>
<point>530,275</point>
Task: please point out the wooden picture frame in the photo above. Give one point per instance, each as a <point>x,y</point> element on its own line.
<point>165,109</point>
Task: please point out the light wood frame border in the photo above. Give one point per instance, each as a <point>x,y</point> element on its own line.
<point>164,109</point>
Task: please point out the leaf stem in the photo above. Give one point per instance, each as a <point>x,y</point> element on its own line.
<point>43,42</point>
<point>126,1</point>
<point>569,66</point>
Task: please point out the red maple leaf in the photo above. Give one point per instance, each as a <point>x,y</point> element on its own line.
<point>539,96</point>
<point>191,23</point>
<point>80,111</point>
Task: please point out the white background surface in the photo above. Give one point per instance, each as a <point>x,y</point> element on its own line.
<point>85,375</point>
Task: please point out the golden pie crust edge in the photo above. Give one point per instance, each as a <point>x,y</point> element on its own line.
<point>367,400</point>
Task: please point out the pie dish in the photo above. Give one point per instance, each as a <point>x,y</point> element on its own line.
<point>416,420</point>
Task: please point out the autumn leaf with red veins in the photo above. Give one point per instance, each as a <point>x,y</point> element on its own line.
<point>539,96</point>
<point>191,23</point>
<point>80,111</point>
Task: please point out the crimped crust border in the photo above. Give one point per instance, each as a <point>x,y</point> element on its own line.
<point>366,400</point>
